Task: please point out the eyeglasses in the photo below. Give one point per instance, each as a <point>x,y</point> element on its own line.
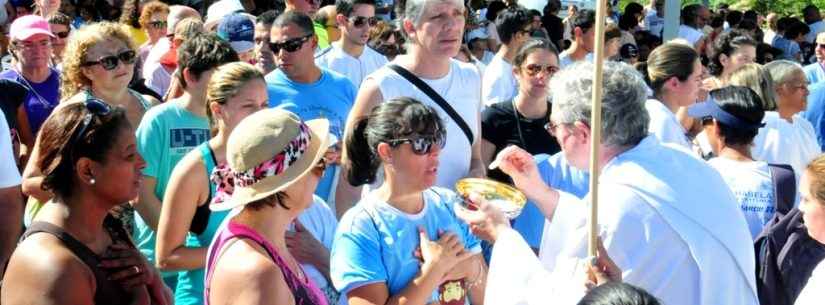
<point>320,167</point>
<point>551,128</point>
<point>159,24</point>
<point>94,107</point>
<point>421,145</point>
<point>360,21</point>
<point>820,45</point>
<point>111,62</point>
<point>61,35</point>
<point>534,69</point>
<point>290,45</point>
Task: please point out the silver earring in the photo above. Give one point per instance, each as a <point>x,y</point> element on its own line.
<point>92,181</point>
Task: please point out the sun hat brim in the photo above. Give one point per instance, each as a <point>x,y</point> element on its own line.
<point>319,129</point>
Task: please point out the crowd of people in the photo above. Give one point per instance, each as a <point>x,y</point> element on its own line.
<point>307,152</point>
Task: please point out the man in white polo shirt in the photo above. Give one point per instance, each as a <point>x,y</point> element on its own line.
<point>350,55</point>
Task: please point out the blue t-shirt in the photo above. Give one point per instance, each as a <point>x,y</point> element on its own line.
<point>558,174</point>
<point>165,135</point>
<point>789,48</point>
<point>374,242</point>
<point>41,97</point>
<point>815,113</point>
<point>330,97</point>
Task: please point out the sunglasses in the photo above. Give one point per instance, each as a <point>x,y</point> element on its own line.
<point>61,35</point>
<point>422,145</point>
<point>94,107</point>
<point>534,69</point>
<point>360,21</point>
<point>160,24</point>
<point>111,62</point>
<point>290,45</point>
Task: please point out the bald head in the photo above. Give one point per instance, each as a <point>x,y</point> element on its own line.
<point>178,13</point>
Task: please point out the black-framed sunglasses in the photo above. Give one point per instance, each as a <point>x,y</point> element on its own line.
<point>534,69</point>
<point>290,45</point>
<point>94,107</point>
<point>159,24</point>
<point>111,62</point>
<point>360,21</point>
<point>61,35</point>
<point>421,145</point>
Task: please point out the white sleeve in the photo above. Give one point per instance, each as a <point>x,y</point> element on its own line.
<point>9,174</point>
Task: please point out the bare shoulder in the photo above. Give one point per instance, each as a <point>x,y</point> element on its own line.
<point>249,275</point>
<point>43,271</point>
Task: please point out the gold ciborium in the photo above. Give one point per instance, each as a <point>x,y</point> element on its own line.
<point>506,198</point>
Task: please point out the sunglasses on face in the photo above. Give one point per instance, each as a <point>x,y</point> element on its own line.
<point>534,70</point>
<point>422,145</point>
<point>360,21</point>
<point>160,24</point>
<point>290,45</point>
<point>61,35</point>
<point>94,107</point>
<point>111,62</point>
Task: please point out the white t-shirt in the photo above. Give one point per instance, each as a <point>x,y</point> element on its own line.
<point>769,36</point>
<point>356,69</point>
<point>461,87</point>
<point>9,174</point>
<point>752,185</point>
<point>664,125</point>
<point>816,28</point>
<point>690,34</point>
<point>498,83</point>
<point>813,293</point>
<point>154,74</point>
<point>654,24</point>
<point>781,142</point>
<point>319,220</point>
<point>565,60</point>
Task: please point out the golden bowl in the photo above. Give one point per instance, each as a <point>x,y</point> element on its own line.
<point>506,198</point>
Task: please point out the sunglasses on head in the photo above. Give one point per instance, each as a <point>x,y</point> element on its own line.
<point>534,69</point>
<point>111,62</point>
<point>94,107</point>
<point>422,145</point>
<point>290,45</point>
<point>160,24</point>
<point>360,21</point>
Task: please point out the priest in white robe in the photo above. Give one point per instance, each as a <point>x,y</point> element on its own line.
<point>667,219</point>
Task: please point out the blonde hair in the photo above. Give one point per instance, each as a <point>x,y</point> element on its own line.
<point>225,83</point>
<point>757,78</point>
<point>816,171</point>
<point>72,79</point>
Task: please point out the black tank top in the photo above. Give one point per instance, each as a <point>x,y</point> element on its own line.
<point>107,292</point>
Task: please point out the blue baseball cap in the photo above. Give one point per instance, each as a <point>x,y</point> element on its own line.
<point>710,108</point>
<point>239,31</point>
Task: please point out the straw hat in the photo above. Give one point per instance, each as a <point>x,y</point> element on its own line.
<point>267,152</point>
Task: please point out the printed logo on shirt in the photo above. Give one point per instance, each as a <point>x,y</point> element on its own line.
<point>187,137</point>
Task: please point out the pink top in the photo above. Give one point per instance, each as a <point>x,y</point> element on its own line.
<point>304,292</point>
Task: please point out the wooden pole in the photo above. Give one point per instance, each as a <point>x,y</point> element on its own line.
<point>596,126</point>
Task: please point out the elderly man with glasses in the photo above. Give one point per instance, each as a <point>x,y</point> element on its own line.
<point>666,218</point>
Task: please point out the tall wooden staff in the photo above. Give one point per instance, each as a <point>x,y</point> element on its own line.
<point>596,127</point>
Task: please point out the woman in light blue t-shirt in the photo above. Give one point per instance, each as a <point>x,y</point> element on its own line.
<point>403,239</point>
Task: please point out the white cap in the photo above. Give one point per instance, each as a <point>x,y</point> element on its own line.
<point>221,9</point>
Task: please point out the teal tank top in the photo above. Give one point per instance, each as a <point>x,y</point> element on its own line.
<point>189,289</point>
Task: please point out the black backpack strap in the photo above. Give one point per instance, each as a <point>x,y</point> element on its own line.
<point>784,187</point>
<point>418,83</point>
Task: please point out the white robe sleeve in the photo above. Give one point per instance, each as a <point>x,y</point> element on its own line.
<point>517,277</point>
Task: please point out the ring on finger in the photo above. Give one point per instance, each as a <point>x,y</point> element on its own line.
<point>137,269</point>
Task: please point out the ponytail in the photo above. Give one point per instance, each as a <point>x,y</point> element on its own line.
<point>362,163</point>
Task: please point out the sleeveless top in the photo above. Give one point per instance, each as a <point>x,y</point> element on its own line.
<point>205,223</point>
<point>107,291</point>
<point>303,291</point>
<point>461,87</point>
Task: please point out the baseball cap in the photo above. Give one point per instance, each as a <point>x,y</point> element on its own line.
<point>239,31</point>
<point>27,26</point>
<point>710,108</point>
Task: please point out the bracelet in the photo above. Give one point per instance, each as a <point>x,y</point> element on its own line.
<point>478,278</point>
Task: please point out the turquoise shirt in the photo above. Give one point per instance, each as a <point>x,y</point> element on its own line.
<point>166,133</point>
